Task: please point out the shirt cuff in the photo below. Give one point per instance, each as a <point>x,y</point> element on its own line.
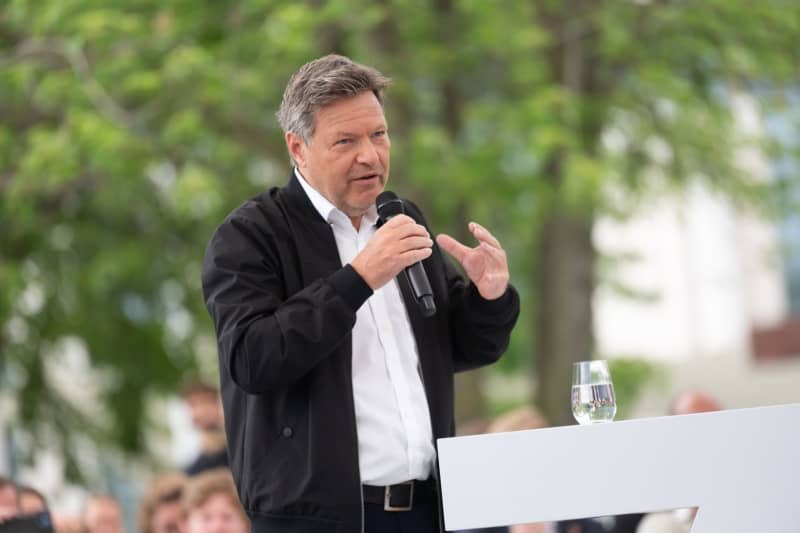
<point>350,286</point>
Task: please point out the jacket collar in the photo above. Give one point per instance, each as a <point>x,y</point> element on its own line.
<point>326,209</point>
<point>316,249</point>
<point>323,206</point>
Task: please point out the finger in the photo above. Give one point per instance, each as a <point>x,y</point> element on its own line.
<point>415,242</point>
<point>404,227</point>
<point>495,255</point>
<point>412,256</point>
<point>398,220</point>
<point>452,246</point>
<point>483,235</point>
<point>496,265</point>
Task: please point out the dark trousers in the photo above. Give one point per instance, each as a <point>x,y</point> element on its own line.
<point>423,518</point>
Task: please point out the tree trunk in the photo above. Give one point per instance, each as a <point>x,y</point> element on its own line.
<point>565,255</point>
<point>400,108</point>
<point>328,36</point>
<point>564,279</point>
<point>470,399</point>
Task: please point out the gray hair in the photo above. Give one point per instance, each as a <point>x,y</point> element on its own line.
<point>320,82</point>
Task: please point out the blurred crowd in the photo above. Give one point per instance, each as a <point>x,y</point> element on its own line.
<point>200,499</point>
<point>203,499</point>
<point>173,503</point>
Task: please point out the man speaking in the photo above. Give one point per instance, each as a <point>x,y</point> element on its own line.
<point>336,377</point>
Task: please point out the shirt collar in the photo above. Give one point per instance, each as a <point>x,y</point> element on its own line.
<point>326,209</point>
<point>321,204</point>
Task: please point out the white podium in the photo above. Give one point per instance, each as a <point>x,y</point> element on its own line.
<point>740,467</point>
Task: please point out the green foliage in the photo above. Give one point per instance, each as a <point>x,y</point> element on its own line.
<point>129,129</point>
<point>630,376</point>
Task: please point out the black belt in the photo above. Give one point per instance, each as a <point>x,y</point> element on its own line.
<point>402,496</point>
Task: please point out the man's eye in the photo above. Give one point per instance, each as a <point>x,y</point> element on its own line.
<point>343,141</point>
<point>379,133</point>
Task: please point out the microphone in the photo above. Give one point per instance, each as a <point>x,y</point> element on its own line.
<point>389,205</point>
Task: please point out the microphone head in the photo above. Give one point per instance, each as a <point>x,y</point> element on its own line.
<point>388,205</point>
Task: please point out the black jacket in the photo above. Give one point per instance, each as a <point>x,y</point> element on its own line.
<point>284,307</point>
<point>207,461</point>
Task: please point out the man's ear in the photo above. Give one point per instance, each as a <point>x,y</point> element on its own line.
<point>297,148</point>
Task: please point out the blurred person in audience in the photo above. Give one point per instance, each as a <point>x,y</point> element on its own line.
<point>67,523</point>
<point>680,520</point>
<point>102,514</point>
<point>205,409</point>
<point>627,523</point>
<point>9,499</point>
<point>624,523</point>
<point>31,501</point>
<point>476,426</point>
<point>211,504</point>
<point>676,521</point>
<point>519,419</point>
<point>694,401</point>
<point>161,508</point>
<point>586,525</point>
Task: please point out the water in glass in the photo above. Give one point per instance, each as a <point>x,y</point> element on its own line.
<point>593,403</point>
<point>592,392</point>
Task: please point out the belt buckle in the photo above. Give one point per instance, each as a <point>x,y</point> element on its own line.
<point>387,498</point>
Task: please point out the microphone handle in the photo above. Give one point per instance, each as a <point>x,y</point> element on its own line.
<point>421,288</point>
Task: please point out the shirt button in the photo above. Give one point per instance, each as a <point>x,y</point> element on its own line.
<point>287,432</point>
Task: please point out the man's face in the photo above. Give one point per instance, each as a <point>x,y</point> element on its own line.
<point>347,159</point>
<point>30,503</point>
<point>103,515</point>
<point>205,410</point>
<point>168,518</point>
<point>217,515</point>
<point>9,507</point>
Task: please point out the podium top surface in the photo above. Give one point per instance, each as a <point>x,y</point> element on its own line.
<point>738,466</point>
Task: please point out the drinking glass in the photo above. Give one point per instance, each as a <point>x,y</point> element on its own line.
<point>593,397</point>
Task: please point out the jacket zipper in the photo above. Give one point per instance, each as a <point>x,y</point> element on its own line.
<point>355,426</point>
<point>434,467</point>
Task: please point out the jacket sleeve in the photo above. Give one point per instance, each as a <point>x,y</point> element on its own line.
<point>268,339</point>
<point>480,328</point>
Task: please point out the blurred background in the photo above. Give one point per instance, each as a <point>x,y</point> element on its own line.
<point>638,159</point>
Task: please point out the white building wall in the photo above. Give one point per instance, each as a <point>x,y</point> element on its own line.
<point>716,273</point>
<point>687,260</point>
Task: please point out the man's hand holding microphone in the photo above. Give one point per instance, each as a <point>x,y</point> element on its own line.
<point>400,243</point>
<point>397,244</point>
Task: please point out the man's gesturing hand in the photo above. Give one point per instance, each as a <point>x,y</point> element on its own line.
<point>397,244</point>
<point>485,264</point>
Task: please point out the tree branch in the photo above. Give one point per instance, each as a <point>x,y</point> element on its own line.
<point>76,59</point>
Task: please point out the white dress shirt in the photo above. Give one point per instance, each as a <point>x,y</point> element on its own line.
<point>395,439</point>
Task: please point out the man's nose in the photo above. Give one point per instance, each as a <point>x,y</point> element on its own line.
<point>367,153</point>
<point>219,526</point>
